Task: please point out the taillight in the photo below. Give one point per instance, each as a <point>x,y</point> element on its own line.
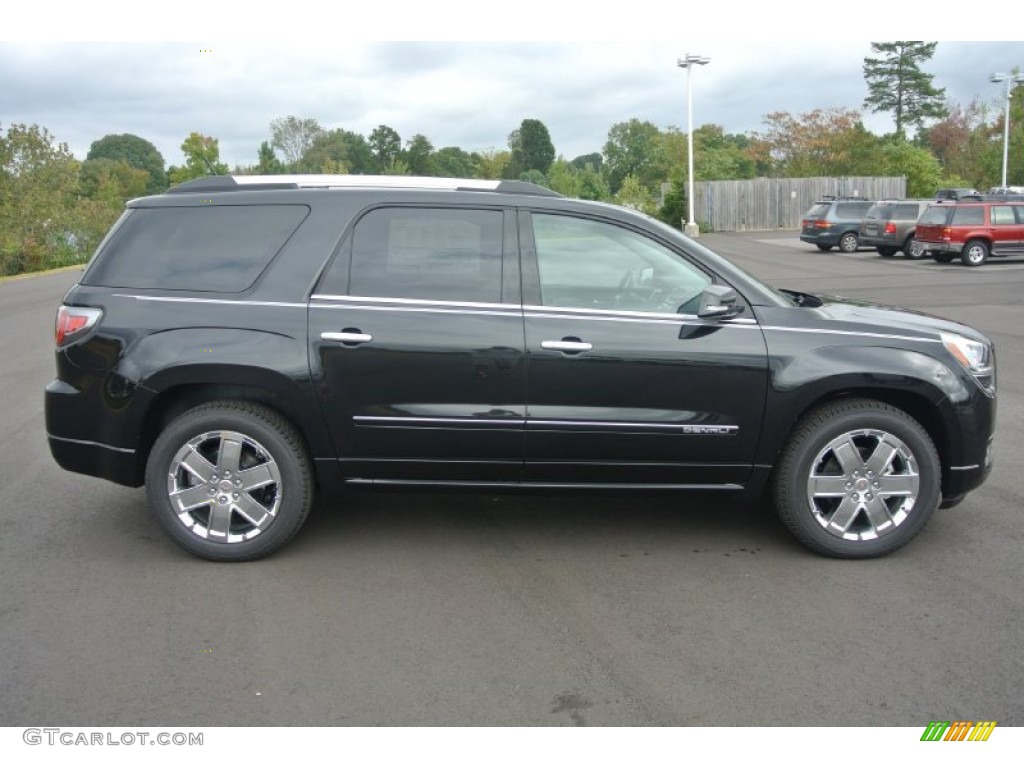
<point>72,322</point>
<point>821,224</point>
<point>890,228</point>
<point>947,234</point>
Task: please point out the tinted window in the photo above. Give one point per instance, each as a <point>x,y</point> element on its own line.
<point>907,211</point>
<point>1002,214</point>
<point>594,265</point>
<point>969,214</point>
<point>852,210</point>
<point>438,254</point>
<point>212,248</point>
<point>935,215</point>
<point>818,212</point>
<point>879,212</point>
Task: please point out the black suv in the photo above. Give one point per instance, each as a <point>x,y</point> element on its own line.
<point>835,222</point>
<point>240,343</point>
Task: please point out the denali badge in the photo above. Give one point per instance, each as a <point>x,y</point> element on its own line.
<point>698,429</point>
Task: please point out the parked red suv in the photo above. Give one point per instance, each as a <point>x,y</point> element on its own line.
<point>974,230</point>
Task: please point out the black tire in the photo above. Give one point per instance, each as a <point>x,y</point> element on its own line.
<point>247,487</point>
<point>849,242</point>
<point>827,499</point>
<point>886,251</point>
<point>943,258</point>
<point>975,253</point>
<point>823,247</point>
<point>912,249</point>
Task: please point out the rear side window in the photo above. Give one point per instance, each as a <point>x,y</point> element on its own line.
<point>852,210</point>
<point>1003,214</point>
<point>968,214</point>
<point>213,248</point>
<point>907,212</point>
<point>428,253</point>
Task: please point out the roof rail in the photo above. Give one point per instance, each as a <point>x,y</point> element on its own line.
<point>342,181</point>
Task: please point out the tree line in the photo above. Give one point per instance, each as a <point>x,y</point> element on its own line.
<point>54,209</point>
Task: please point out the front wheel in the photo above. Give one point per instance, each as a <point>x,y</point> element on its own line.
<point>849,243</point>
<point>859,478</point>
<point>975,253</point>
<point>230,481</point>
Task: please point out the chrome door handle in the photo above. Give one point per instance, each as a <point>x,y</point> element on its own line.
<point>347,337</point>
<point>566,345</point>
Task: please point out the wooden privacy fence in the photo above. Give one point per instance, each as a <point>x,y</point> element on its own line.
<point>762,204</point>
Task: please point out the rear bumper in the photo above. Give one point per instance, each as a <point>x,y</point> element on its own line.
<point>821,238</point>
<point>935,247</point>
<point>82,436</point>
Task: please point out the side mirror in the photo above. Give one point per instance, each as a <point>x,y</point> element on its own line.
<point>719,301</point>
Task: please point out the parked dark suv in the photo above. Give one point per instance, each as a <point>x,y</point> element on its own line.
<point>889,226</point>
<point>835,222</point>
<point>973,230</point>
<point>240,343</point>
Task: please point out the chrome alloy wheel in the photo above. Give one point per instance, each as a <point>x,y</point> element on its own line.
<point>863,485</point>
<point>224,486</point>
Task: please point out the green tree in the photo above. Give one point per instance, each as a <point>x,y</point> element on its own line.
<point>493,164</point>
<point>594,159</point>
<point>112,180</point>
<point>531,148</point>
<point>268,164</point>
<point>455,163</point>
<point>386,146</point>
<point>634,194</point>
<point>293,136</point>
<point>635,148</point>
<point>44,222</point>
<point>202,158</point>
<point>136,152</point>
<point>534,177</point>
<point>419,156</point>
<point>896,83</point>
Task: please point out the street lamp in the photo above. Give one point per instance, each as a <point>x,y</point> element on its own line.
<point>687,63</point>
<point>1010,80</point>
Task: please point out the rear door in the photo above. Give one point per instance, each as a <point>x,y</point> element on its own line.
<point>625,384</point>
<point>1007,230</point>
<point>416,346</point>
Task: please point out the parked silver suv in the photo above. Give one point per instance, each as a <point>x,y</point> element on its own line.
<point>890,226</point>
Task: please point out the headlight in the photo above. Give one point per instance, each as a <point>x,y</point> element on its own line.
<point>975,356</point>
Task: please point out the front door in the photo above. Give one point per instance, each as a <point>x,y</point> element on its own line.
<point>625,384</point>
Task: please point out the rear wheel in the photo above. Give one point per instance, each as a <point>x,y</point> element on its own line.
<point>913,249</point>
<point>230,480</point>
<point>975,253</point>
<point>823,247</point>
<point>858,479</point>
<point>849,242</point>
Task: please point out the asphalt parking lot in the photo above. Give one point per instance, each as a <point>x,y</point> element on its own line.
<point>542,610</point>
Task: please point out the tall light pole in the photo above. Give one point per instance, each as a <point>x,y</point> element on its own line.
<point>687,63</point>
<point>1010,80</point>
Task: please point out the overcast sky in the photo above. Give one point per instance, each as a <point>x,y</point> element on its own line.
<point>465,93</point>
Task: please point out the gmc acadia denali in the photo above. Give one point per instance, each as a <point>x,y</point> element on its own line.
<point>238,344</point>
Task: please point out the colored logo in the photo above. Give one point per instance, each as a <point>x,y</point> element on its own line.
<point>959,730</point>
